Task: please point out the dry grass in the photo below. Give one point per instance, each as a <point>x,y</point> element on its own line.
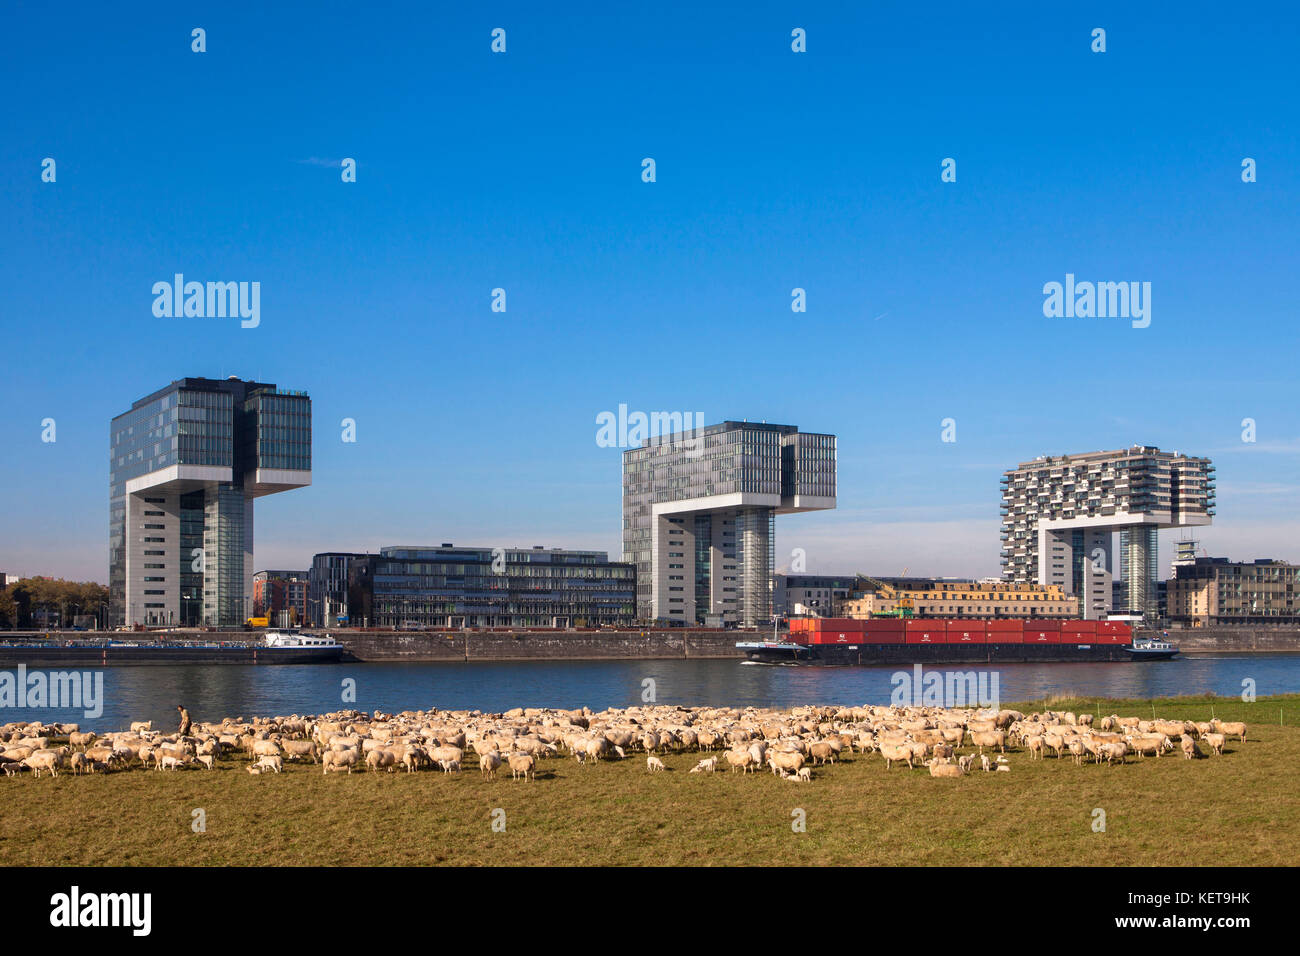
<point>1240,809</point>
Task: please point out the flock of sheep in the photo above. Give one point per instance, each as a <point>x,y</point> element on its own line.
<point>789,743</point>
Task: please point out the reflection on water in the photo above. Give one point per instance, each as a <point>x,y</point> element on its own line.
<point>215,691</point>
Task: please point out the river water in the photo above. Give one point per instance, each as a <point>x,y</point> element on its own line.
<point>211,692</point>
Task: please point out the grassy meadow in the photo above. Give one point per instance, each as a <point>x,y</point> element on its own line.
<point>1238,809</point>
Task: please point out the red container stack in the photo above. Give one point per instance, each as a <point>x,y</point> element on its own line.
<point>925,632</point>
<point>966,632</point>
<point>1079,632</point>
<point>1006,632</point>
<point>885,630</point>
<point>1114,632</point>
<point>1042,632</point>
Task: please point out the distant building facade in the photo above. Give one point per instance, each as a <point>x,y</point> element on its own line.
<point>1218,591</point>
<point>451,587</point>
<point>989,599</point>
<point>699,514</point>
<point>278,592</point>
<point>820,594</point>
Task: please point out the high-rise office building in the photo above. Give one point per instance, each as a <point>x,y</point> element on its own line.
<point>1059,515</point>
<point>699,510</point>
<point>185,464</point>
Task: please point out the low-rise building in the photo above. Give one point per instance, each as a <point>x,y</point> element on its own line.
<point>1219,591</point>
<point>451,587</point>
<point>276,593</point>
<point>816,594</point>
<point>988,599</point>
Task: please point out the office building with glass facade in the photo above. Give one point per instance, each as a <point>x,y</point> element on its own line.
<point>451,587</point>
<point>327,595</point>
<point>699,512</point>
<point>185,464</point>
<point>1060,514</point>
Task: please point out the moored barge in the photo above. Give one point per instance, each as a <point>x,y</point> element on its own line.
<point>845,641</point>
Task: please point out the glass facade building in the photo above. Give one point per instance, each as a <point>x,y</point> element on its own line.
<point>1060,514</point>
<point>699,513</point>
<point>450,587</point>
<point>185,464</point>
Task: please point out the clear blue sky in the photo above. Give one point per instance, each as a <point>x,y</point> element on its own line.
<point>775,170</point>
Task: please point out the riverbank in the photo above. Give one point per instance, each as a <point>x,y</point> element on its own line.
<point>1236,809</point>
<point>649,645</point>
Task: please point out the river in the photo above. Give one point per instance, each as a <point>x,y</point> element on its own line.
<point>230,690</point>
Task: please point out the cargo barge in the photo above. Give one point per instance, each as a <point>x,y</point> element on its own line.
<point>275,648</point>
<point>845,641</point>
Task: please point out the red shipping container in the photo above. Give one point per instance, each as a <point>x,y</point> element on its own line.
<point>1016,625</point>
<point>1079,627</point>
<point>1036,633</point>
<point>1114,632</point>
<point>1006,632</point>
<point>925,632</point>
<point>966,632</point>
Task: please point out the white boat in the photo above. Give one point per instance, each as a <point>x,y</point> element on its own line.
<point>1150,649</point>
<point>288,638</point>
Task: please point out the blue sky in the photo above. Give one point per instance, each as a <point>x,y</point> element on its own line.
<point>775,170</point>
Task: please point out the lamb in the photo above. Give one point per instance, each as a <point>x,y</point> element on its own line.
<point>804,774</point>
<point>208,760</point>
<point>985,763</point>
<point>654,764</point>
<point>966,762</point>
<point>268,762</point>
<point>1216,742</point>
<point>707,765</point>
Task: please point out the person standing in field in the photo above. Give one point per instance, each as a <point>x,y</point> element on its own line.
<point>185,720</point>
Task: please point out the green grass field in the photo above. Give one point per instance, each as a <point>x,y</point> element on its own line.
<point>1239,809</point>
